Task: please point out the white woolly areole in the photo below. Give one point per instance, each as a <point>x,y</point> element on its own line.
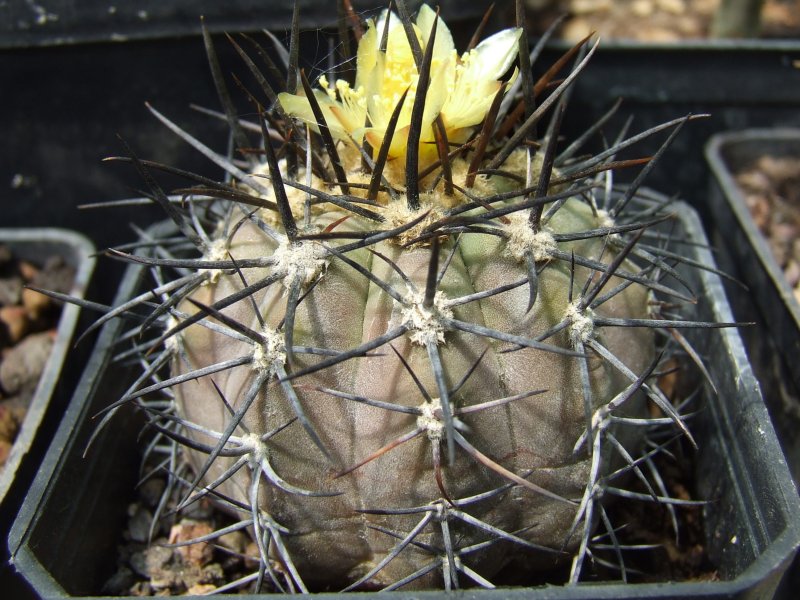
<point>305,260</point>
<point>216,250</point>
<point>425,323</point>
<point>270,353</point>
<point>398,214</point>
<point>581,323</point>
<point>258,449</point>
<point>428,420</point>
<point>522,240</point>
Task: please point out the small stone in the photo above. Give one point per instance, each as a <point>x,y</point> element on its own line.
<point>792,272</point>
<point>139,524</point>
<point>151,491</point>
<point>5,255</point>
<point>157,557</point>
<point>36,304</point>
<point>576,29</point>
<point>28,270</point>
<point>9,423</point>
<point>138,563</point>
<point>23,364</point>
<point>141,589</point>
<point>202,509</point>
<point>10,291</point>
<point>236,541</point>
<point>642,8</point>
<point>198,554</point>
<point>200,589</point>
<point>673,7</point>
<point>14,324</point>
<point>662,35</point>
<point>5,451</point>
<point>583,7</point>
<point>56,275</point>
<point>120,582</point>
<point>252,555</point>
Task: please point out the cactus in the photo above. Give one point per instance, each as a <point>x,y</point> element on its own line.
<point>412,343</point>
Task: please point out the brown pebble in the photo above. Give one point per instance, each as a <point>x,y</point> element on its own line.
<point>194,554</point>
<point>14,324</point>
<point>9,423</point>
<point>27,270</point>
<point>10,291</point>
<point>36,304</point>
<point>792,272</point>
<point>139,524</point>
<point>24,363</point>
<point>235,541</point>
<point>252,553</point>
<point>151,490</point>
<point>5,450</point>
<point>141,589</point>
<point>199,589</point>
<point>56,275</point>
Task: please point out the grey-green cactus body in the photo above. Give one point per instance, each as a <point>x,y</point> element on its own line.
<point>335,539</point>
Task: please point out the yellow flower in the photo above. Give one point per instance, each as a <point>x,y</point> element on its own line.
<point>461,89</point>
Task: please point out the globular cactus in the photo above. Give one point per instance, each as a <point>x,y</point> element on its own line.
<point>416,342</point>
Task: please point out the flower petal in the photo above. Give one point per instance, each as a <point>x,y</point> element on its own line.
<point>299,107</point>
<point>443,47</point>
<point>366,55</point>
<point>494,55</point>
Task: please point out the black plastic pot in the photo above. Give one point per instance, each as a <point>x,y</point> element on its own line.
<point>60,374</point>
<point>60,22</point>
<point>775,345</point>
<point>76,509</point>
<point>738,83</point>
<point>35,246</point>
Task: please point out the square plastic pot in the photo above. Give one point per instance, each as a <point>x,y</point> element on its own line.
<point>57,381</point>
<point>737,83</point>
<point>35,246</point>
<point>773,345</point>
<point>76,510</point>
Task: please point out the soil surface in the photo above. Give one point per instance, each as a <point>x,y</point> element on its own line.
<point>771,188</point>
<point>653,20</point>
<point>28,323</point>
